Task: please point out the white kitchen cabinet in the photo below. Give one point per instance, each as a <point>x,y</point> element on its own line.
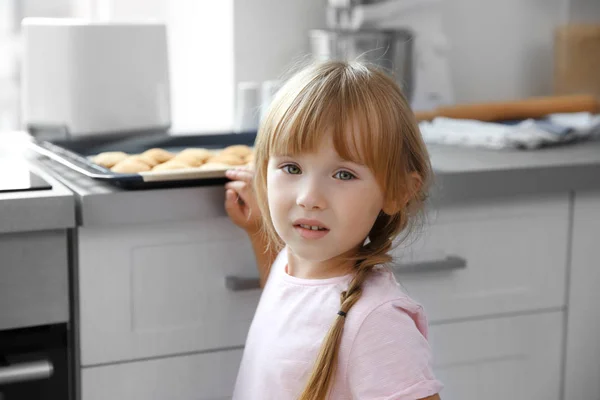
<point>157,320</point>
<point>500,358</point>
<point>489,258</point>
<point>33,263</point>
<point>156,290</point>
<point>582,372</point>
<point>209,376</point>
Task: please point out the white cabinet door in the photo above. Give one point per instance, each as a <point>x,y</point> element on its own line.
<point>489,258</point>
<point>582,379</point>
<point>501,358</point>
<point>209,376</point>
<point>156,290</point>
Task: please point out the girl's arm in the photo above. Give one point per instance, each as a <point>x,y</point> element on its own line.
<point>240,204</point>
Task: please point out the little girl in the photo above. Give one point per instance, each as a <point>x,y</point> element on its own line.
<point>340,171</point>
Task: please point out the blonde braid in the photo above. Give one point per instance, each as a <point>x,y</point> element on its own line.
<point>370,255</point>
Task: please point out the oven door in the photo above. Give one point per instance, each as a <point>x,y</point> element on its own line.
<point>34,363</point>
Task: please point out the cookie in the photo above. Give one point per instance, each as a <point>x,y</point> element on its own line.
<point>249,158</point>
<point>146,159</point>
<point>171,165</point>
<point>239,150</point>
<point>159,155</point>
<point>130,166</point>
<point>194,157</point>
<point>229,159</point>
<point>200,153</point>
<point>110,158</point>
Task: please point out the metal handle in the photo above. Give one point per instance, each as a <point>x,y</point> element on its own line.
<point>447,264</point>
<point>237,284</point>
<point>27,371</point>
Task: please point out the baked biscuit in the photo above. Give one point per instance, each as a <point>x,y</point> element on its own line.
<point>130,166</point>
<point>159,155</point>
<point>200,153</point>
<point>239,150</point>
<point>249,158</point>
<point>193,158</point>
<point>146,159</point>
<point>110,158</point>
<point>229,159</point>
<point>171,165</point>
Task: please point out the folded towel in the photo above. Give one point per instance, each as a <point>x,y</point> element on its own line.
<point>527,134</point>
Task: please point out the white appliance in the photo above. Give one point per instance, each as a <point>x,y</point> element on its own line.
<point>85,78</point>
<point>432,75</point>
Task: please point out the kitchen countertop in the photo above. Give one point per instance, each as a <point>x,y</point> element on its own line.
<point>461,175</point>
<point>35,210</point>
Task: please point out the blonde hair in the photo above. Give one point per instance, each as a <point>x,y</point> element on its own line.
<point>340,97</point>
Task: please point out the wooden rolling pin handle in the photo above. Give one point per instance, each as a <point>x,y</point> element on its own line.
<point>535,107</point>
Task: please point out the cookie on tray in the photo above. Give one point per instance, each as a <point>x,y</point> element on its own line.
<point>130,166</point>
<point>230,159</point>
<point>159,155</point>
<point>146,159</point>
<point>239,150</point>
<point>171,165</point>
<point>194,157</point>
<point>110,158</point>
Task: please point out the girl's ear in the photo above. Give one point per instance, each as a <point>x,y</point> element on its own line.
<point>413,186</point>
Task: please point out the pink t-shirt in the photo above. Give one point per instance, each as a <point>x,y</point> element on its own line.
<point>383,354</point>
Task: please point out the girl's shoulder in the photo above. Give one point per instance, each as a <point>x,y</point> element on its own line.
<point>384,299</point>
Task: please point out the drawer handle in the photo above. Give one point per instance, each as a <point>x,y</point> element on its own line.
<point>237,284</point>
<point>447,264</point>
<point>27,371</point>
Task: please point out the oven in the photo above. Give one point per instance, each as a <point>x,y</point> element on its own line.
<point>36,355</point>
<point>34,363</point>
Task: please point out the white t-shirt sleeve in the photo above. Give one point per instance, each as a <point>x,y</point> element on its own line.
<point>390,357</point>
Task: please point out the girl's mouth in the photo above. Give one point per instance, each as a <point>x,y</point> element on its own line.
<point>311,232</point>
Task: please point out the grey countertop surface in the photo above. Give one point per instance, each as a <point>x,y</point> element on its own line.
<point>34,210</point>
<point>461,175</point>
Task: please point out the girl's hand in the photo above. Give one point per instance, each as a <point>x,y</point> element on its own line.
<point>240,200</point>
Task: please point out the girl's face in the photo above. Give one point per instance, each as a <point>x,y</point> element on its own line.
<point>340,198</point>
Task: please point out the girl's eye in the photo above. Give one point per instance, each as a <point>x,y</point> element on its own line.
<point>345,175</point>
<point>291,169</point>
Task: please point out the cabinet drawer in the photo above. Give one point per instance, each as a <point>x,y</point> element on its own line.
<point>157,290</point>
<point>33,262</point>
<point>500,358</point>
<point>496,359</point>
<point>209,376</point>
<point>492,258</point>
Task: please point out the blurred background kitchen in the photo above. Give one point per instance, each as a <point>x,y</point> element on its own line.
<point>133,284</point>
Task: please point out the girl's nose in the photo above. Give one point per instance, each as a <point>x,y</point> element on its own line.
<point>310,196</point>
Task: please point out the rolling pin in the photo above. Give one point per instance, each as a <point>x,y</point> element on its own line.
<point>534,107</point>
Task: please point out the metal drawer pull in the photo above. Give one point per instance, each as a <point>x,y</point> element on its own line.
<point>237,284</point>
<point>447,264</point>
<point>27,371</point>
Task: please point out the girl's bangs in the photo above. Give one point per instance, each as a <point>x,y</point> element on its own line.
<point>314,114</point>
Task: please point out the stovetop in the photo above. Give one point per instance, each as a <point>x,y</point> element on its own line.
<point>15,176</point>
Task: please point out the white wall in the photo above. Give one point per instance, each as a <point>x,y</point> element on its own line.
<point>584,11</point>
<point>270,34</point>
<point>500,49</point>
<point>201,54</point>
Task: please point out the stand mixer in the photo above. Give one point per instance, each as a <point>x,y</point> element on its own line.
<point>403,36</point>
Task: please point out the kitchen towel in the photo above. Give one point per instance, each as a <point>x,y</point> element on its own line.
<point>528,134</point>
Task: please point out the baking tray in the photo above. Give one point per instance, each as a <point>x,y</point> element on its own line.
<point>74,154</point>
